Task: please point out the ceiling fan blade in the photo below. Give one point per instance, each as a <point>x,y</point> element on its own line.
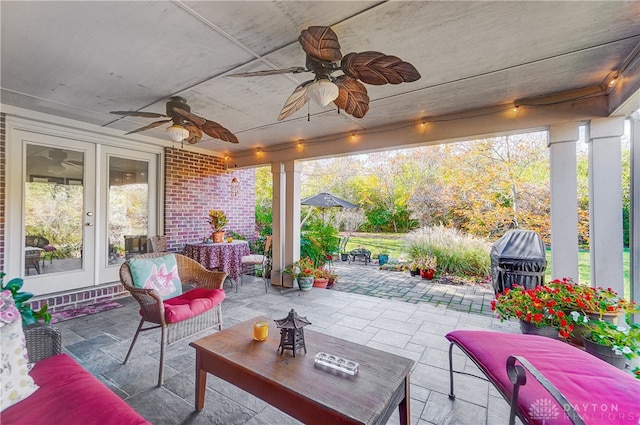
<point>292,70</point>
<point>320,43</point>
<point>195,134</point>
<point>139,114</point>
<point>377,68</point>
<point>149,126</point>
<point>352,96</point>
<point>211,128</point>
<point>296,101</point>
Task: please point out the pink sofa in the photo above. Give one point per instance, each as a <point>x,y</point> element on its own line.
<point>68,394</point>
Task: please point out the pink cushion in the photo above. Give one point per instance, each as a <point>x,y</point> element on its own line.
<point>192,303</point>
<point>599,392</point>
<point>69,394</point>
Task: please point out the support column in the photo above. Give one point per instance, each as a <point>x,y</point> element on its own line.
<point>634,211</point>
<point>605,202</point>
<point>292,224</point>
<point>277,224</point>
<point>564,200</point>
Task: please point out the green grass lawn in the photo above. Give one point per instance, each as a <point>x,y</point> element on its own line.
<point>394,243</point>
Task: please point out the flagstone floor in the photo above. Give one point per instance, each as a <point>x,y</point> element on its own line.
<point>414,330</point>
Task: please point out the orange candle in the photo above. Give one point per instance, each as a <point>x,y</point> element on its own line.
<point>260,330</point>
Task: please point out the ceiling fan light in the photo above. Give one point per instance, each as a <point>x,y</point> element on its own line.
<point>325,91</point>
<point>177,133</point>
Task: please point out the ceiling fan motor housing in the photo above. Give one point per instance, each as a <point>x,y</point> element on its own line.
<point>177,102</point>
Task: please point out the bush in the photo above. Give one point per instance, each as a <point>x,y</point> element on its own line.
<point>456,253</point>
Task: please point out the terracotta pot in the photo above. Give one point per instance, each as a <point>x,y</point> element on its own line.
<point>217,236</point>
<point>531,329</point>
<point>320,282</point>
<point>427,274</point>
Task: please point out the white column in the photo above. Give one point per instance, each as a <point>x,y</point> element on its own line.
<point>634,210</point>
<point>292,208</point>
<point>605,202</point>
<point>277,224</point>
<point>564,200</point>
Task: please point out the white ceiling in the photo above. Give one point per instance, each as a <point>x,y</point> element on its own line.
<point>83,59</point>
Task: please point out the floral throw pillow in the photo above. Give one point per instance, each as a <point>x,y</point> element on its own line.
<point>159,273</point>
<point>15,382</point>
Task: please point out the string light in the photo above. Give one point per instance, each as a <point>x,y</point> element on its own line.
<point>613,81</point>
<point>353,137</point>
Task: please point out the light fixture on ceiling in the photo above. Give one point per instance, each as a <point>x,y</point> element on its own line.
<point>177,133</point>
<point>235,187</point>
<point>325,90</point>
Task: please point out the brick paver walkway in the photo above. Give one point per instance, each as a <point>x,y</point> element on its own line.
<point>401,286</point>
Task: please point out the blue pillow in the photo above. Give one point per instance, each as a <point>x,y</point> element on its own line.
<point>159,273</point>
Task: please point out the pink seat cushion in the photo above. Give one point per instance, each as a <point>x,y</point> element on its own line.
<point>598,391</point>
<point>192,303</point>
<point>68,394</point>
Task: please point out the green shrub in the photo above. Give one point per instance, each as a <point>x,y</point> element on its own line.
<point>455,252</point>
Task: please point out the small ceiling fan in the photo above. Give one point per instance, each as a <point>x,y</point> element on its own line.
<point>323,58</point>
<point>186,126</point>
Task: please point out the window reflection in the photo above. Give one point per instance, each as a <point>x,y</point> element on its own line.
<point>128,205</point>
<point>54,199</point>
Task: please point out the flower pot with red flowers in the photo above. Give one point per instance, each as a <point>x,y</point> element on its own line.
<point>302,271</point>
<point>538,308</point>
<point>321,278</point>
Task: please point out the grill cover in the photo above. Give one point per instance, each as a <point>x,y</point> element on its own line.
<point>518,257</point>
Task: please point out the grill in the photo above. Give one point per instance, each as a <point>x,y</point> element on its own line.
<point>518,257</point>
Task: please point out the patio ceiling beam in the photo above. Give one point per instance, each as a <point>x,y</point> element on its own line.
<point>531,114</point>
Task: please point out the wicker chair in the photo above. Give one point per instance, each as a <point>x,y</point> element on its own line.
<point>152,307</point>
<point>43,340</point>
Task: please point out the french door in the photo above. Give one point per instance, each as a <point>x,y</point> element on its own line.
<point>74,207</point>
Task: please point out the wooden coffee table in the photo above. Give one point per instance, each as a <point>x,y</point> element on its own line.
<point>297,386</point>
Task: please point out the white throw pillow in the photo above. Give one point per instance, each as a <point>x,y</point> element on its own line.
<point>15,382</point>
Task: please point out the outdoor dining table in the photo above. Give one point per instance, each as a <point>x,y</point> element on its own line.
<point>226,256</point>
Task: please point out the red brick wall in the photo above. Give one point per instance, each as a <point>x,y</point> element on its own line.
<point>196,183</point>
<point>3,143</point>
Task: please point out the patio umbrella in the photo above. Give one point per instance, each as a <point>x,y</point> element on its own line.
<point>326,200</point>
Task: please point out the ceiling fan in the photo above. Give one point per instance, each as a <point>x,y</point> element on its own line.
<point>186,126</point>
<point>323,58</point>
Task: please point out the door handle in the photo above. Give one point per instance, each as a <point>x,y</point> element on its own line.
<point>89,224</point>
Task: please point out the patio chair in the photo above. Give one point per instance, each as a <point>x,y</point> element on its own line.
<point>179,316</point>
<point>158,243</point>
<point>43,243</point>
<point>250,263</point>
<point>32,259</point>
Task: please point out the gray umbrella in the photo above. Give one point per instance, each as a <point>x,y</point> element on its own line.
<point>326,200</point>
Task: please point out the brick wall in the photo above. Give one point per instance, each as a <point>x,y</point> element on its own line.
<point>196,183</point>
<point>3,180</point>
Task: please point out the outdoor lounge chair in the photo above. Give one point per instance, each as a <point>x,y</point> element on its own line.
<point>250,263</point>
<point>179,316</point>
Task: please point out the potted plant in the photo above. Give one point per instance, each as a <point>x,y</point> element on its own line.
<point>29,316</point>
<point>321,277</point>
<point>217,219</point>
<point>537,309</point>
<point>608,341</point>
<point>383,257</point>
<point>333,278</point>
<point>427,266</point>
<point>592,304</point>
<point>413,268</point>
<point>302,271</point>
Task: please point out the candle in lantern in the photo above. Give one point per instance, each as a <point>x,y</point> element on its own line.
<point>260,330</point>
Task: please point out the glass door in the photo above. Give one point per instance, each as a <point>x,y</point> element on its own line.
<point>128,198</point>
<point>58,213</point>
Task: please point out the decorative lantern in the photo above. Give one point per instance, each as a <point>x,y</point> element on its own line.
<point>291,332</point>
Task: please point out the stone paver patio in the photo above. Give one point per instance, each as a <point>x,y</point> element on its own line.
<point>412,329</point>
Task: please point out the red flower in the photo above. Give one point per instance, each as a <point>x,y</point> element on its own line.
<point>493,305</point>
<point>537,317</point>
